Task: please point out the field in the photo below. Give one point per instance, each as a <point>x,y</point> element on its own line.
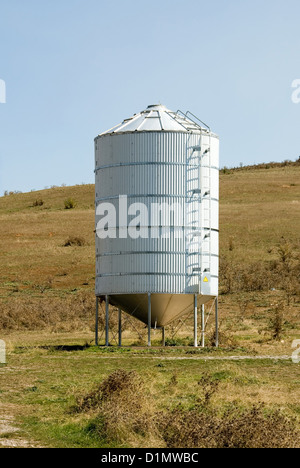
<point>53,388</point>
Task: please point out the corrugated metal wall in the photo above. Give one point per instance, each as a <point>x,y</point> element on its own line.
<point>160,167</point>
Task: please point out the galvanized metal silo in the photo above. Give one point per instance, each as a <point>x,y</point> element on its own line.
<point>157,215</point>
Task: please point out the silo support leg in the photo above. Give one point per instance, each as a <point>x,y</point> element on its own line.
<point>120,328</point>
<point>106,321</point>
<point>217,321</point>
<point>196,321</point>
<point>163,339</point>
<point>203,327</point>
<point>97,323</point>
<point>149,320</point>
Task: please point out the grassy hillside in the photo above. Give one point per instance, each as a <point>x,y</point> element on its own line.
<point>257,209</point>
<point>47,271</point>
<point>34,229</point>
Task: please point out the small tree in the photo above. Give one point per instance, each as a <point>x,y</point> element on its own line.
<point>276,326</point>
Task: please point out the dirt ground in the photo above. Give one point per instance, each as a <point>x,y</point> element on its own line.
<point>10,434</point>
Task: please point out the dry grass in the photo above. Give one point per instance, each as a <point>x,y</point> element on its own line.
<point>236,428</point>
<point>123,409</point>
<point>46,371</point>
<point>74,241</point>
<point>258,208</point>
<point>125,415</point>
<point>53,314</point>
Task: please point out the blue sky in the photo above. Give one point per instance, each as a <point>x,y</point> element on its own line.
<point>74,68</point>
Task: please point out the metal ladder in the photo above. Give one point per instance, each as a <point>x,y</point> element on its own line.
<point>192,218</point>
<point>206,207</point>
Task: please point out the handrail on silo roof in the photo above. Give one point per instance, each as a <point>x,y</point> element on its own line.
<point>195,117</point>
<point>173,116</point>
<point>185,115</point>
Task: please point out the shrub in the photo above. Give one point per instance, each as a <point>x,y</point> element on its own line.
<point>38,202</point>
<point>70,204</point>
<point>123,410</point>
<point>226,171</point>
<point>277,322</point>
<point>73,241</point>
<point>252,428</point>
<point>236,428</point>
<point>186,429</point>
<point>176,341</point>
<point>209,387</point>
<point>225,337</point>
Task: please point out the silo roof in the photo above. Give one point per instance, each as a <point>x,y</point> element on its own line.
<point>158,118</point>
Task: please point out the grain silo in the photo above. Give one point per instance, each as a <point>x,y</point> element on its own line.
<point>157,216</point>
